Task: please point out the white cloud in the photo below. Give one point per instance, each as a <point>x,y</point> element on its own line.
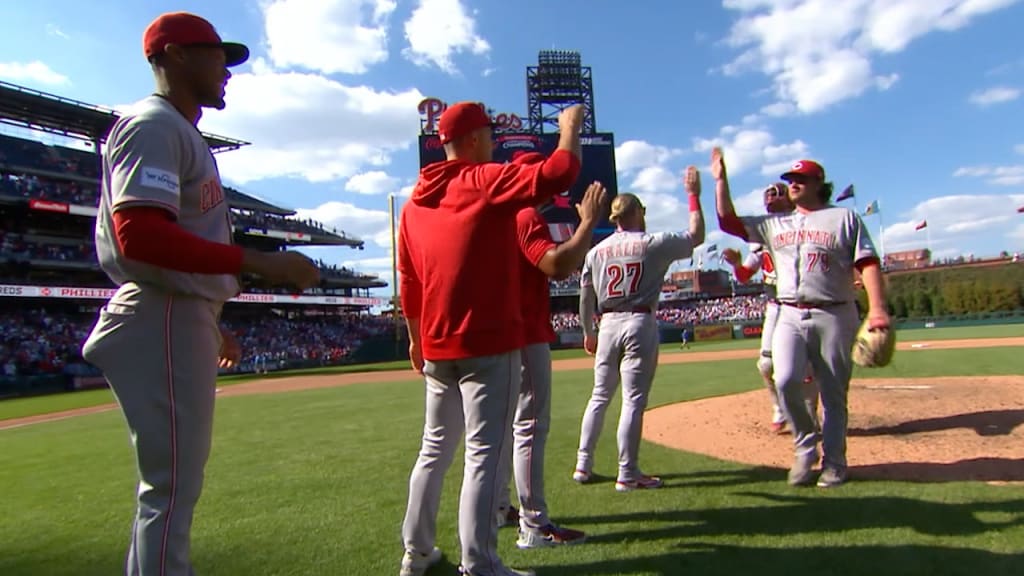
<point>437,30</point>
<point>754,148</point>
<point>1018,233</point>
<point>373,182</point>
<point>654,179</point>
<point>964,220</point>
<point>54,30</point>
<point>34,71</point>
<point>381,266</point>
<point>406,191</point>
<point>329,36</point>
<point>1019,148</point>
<point>832,60</point>
<point>309,126</point>
<point>995,95</point>
<point>370,225</point>
<point>636,154</point>
<point>999,175</point>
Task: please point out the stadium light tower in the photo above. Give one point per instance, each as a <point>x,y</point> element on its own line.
<point>558,81</point>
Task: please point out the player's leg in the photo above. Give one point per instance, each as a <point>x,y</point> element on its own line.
<point>789,358</point>
<point>811,397</point>
<point>606,381</point>
<point>638,365</point>
<point>764,364</point>
<point>165,387</point>
<point>507,514</point>
<point>490,389</point>
<point>835,331</point>
<point>533,420</point>
<point>442,430</point>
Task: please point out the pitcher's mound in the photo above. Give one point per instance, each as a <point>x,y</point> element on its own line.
<point>918,429</point>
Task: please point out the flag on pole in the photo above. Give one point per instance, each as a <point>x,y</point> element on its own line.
<point>846,194</point>
<point>922,225</point>
<point>712,248</point>
<point>872,208</point>
<point>1021,209</point>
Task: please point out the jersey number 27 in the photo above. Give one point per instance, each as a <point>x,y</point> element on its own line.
<point>623,280</point>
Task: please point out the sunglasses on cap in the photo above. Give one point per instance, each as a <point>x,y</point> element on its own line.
<point>774,191</point>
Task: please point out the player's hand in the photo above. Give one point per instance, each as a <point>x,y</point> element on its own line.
<point>691,181</point>
<point>416,357</point>
<point>590,344</point>
<point>289,268</point>
<point>717,163</point>
<point>570,120</point>
<point>878,319</point>
<point>731,256</point>
<point>230,351</point>
<point>594,203</point>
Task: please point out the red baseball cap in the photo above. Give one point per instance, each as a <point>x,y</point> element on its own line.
<point>807,168</point>
<point>187,29</point>
<point>527,157</point>
<point>460,119</point>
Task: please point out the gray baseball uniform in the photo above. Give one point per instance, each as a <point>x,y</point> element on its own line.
<point>157,340</point>
<point>626,271</point>
<point>815,254</point>
<point>760,259</point>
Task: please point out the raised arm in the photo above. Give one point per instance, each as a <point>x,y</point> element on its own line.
<point>559,261</point>
<point>520,185</point>
<point>692,184</point>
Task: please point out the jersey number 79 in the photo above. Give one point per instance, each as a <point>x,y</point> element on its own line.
<point>623,280</point>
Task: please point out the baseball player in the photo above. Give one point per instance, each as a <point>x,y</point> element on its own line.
<point>685,337</point>
<point>622,278</point>
<point>816,249</point>
<point>542,259</point>
<point>457,236</point>
<point>776,201</point>
<point>163,235</point>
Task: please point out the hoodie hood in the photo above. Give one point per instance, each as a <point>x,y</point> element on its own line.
<point>434,180</point>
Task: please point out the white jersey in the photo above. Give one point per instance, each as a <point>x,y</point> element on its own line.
<point>814,253</point>
<point>155,157</point>
<point>627,269</point>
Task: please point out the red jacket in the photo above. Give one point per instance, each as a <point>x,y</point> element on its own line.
<point>458,254</point>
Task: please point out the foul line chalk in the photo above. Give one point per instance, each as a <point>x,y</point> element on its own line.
<point>897,387</point>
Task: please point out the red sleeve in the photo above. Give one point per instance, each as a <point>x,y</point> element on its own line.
<point>529,184</point>
<point>533,234</point>
<point>148,234</point>
<point>410,288</point>
<point>743,274</point>
<point>732,224</point>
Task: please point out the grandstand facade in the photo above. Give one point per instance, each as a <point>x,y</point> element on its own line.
<point>51,285</point>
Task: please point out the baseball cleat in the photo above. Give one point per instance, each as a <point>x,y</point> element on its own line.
<point>642,483</point>
<point>508,517</point>
<point>802,472</point>
<point>581,476</point>
<point>831,476</point>
<point>778,427</point>
<point>550,535</point>
<point>414,564</point>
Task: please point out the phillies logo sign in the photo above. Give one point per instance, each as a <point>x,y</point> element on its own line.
<point>431,109</point>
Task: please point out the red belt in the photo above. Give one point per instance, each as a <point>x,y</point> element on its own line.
<point>634,310</point>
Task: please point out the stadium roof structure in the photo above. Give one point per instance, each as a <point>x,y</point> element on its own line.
<point>247,202</point>
<point>24,107</point>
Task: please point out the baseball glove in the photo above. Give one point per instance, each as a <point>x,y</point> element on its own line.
<point>873,349</point>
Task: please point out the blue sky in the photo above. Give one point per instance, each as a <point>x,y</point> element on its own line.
<point>916,102</point>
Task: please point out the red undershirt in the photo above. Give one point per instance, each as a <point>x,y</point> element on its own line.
<point>148,234</point>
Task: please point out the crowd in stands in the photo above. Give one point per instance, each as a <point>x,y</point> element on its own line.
<point>269,342</point>
<point>570,282</point>
<point>20,152</point>
<point>733,309</point>
<point>42,188</point>
<point>15,247</point>
<point>36,342</point>
<point>275,222</point>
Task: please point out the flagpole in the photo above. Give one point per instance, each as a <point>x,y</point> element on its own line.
<point>928,232</point>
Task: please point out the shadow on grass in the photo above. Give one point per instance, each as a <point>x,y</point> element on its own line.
<point>973,469</point>
<point>985,423</point>
<point>810,515</point>
<point>709,559</point>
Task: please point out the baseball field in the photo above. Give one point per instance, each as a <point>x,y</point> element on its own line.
<point>313,481</point>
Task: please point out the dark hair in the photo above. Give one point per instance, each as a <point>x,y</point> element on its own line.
<point>825,192</point>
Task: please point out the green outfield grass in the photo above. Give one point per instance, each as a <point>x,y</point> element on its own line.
<point>314,483</point>
<point>22,407</point>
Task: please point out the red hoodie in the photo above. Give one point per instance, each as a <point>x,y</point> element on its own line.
<point>458,253</point>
